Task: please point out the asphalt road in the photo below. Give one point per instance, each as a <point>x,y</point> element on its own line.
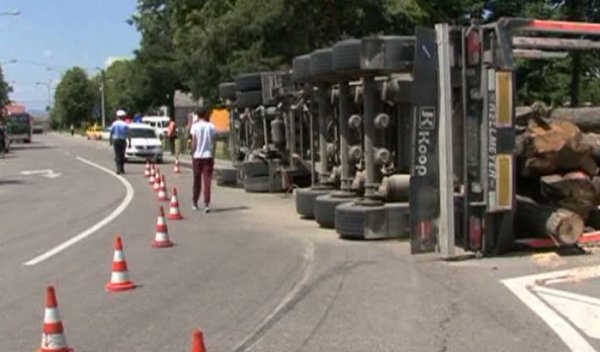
<point>251,274</point>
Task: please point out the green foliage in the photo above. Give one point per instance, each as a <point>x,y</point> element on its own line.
<point>125,87</point>
<point>73,99</point>
<point>5,90</point>
<point>156,63</point>
<point>193,45</point>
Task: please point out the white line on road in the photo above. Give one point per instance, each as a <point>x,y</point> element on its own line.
<point>61,247</point>
<point>524,288</point>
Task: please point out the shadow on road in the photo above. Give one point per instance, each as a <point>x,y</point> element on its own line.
<point>11,182</point>
<point>224,210</point>
<point>32,145</point>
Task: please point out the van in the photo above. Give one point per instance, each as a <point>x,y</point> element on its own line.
<point>159,123</point>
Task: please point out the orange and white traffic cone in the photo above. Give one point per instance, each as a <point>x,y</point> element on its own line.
<point>198,341</point>
<point>161,239</point>
<point>157,177</point>
<point>162,190</point>
<point>152,174</point>
<point>119,278</point>
<point>176,169</point>
<point>53,338</point>
<point>147,169</point>
<point>174,213</point>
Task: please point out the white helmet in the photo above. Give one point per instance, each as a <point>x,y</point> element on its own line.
<point>121,113</point>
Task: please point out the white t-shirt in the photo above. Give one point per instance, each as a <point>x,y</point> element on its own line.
<point>205,133</point>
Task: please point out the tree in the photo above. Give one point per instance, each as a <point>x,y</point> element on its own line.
<point>157,60</point>
<point>5,90</point>
<point>218,39</point>
<point>125,87</point>
<point>73,99</point>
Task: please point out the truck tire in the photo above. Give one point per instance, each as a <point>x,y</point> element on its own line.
<point>255,168</point>
<point>387,54</point>
<point>305,200</point>
<point>257,184</point>
<point>228,90</point>
<point>346,57</point>
<point>321,65</point>
<point>250,99</point>
<point>324,209</point>
<point>350,220</point>
<point>227,176</point>
<point>301,69</point>
<point>249,81</point>
<point>365,222</point>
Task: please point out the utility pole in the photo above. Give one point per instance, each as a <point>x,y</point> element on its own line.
<point>49,86</point>
<point>103,97</point>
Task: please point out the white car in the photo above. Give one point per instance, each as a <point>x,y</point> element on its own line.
<point>105,135</point>
<point>145,144</point>
<point>159,123</point>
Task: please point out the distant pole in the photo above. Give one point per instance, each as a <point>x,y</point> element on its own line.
<point>49,95</point>
<point>103,88</point>
<point>49,87</point>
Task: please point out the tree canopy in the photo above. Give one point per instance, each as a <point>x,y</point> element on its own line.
<point>5,90</point>
<point>74,99</point>
<point>193,45</point>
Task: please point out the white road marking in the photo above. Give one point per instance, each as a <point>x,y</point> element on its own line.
<point>545,302</point>
<point>61,247</point>
<point>582,311</point>
<point>45,172</point>
<point>247,343</point>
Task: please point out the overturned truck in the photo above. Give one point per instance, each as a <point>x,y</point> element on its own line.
<point>414,137</point>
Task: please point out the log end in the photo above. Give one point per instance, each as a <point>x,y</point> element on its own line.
<point>566,226</point>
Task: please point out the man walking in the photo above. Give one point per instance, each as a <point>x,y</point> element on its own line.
<point>119,133</point>
<point>203,145</point>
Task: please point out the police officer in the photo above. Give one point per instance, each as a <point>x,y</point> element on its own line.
<point>119,133</point>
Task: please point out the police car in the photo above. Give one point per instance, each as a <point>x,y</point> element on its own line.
<point>144,145</point>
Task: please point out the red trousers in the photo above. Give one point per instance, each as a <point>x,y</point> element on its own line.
<point>203,171</point>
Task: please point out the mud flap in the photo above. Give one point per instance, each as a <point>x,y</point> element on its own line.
<point>424,181</point>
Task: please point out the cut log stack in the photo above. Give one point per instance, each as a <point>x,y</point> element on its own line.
<point>558,185</point>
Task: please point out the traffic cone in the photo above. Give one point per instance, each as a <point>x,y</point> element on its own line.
<point>161,239</point>
<point>162,190</point>
<point>176,169</point>
<point>198,341</point>
<point>147,169</point>
<point>156,186</point>
<point>119,279</point>
<point>152,174</point>
<point>174,213</point>
<point>53,339</point>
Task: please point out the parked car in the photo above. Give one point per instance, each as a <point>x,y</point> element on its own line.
<point>159,123</point>
<point>94,132</point>
<point>143,144</point>
<point>106,133</point>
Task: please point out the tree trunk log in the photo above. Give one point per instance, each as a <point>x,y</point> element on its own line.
<point>553,147</point>
<point>573,191</point>
<point>537,220</point>
<point>586,118</point>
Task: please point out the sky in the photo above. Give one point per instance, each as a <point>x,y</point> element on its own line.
<point>50,36</point>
